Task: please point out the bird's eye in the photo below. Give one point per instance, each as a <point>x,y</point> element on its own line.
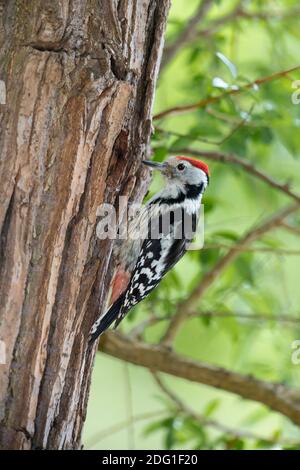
<point>180,167</point>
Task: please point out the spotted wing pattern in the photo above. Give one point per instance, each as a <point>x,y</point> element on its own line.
<point>156,258</point>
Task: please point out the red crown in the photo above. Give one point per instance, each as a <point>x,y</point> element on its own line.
<point>196,163</point>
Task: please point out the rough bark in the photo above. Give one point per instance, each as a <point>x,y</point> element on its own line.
<point>80,78</point>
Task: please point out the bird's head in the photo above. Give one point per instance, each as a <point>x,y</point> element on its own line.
<point>184,171</point>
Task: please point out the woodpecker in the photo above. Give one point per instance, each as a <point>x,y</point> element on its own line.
<point>167,225</point>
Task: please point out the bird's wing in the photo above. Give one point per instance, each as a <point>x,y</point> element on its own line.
<point>156,258</point>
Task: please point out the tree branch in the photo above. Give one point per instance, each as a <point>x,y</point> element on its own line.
<point>185,308</point>
<point>287,320</point>
<point>275,251</point>
<point>291,228</point>
<point>188,33</point>
<point>246,165</point>
<point>267,15</point>
<point>237,126</point>
<point>205,421</point>
<point>221,21</point>
<point>103,433</point>
<point>239,12</point>
<point>213,99</point>
<point>274,395</point>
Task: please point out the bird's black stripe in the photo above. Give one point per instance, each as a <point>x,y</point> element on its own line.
<point>169,202</point>
<point>192,191</point>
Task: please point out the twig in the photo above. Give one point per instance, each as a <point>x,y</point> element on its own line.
<point>291,228</point>
<point>190,31</point>
<point>218,22</point>
<point>187,34</point>
<point>228,118</point>
<point>185,136</point>
<point>99,436</point>
<point>129,408</point>
<point>246,165</point>
<point>179,404</point>
<point>288,319</point>
<point>155,357</point>
<point>241,13</point>
<point>204,421</point>
<point>236,127</point>
<point>137,331</point>
<point>213,99</point>
<point>185,309</point>
<point>275,251</point>
<point>266,15</point>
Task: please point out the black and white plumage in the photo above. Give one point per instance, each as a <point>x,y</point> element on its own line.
<point>168,224</point>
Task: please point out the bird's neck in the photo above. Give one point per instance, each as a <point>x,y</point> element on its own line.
<point>174,193</point>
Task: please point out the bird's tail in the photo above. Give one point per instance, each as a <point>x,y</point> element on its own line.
<point>107,319</point>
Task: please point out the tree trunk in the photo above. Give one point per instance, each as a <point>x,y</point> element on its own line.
<point>80,78</point>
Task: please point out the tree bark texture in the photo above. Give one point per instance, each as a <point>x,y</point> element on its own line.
<point>80,78</point>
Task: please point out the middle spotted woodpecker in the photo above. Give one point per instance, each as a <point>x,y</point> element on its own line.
<point>167,225</point>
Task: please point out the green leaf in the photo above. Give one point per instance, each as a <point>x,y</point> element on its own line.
<point>170,435</point>
<point>160,153</point>
<point>244,268</point>
<point>211,407</point>
<point>158,425</point>
<point>227,234</point>
<point>208,258</point>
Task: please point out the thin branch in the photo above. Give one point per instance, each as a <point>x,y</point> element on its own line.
<point>275,251</point>
<point>291,228</point>
<point>213,99</point>
<point>285,319</point>
<point>185,136</point>
<point>188,33</point>
<point>129,408</point>
<point>288,321</point>
<point>174,398</point>
<point>246,165</point>
<point>229,118</point>
<point>191,32</point>
<point>238,126</point>
<point>278,397</point>
<point>239,12</point>
<point>204,421</point>
<point>235,128</point>
<point>219,22</point>
<point>267,15</point>
<point>184,309</point>
<point>137,332</point>
<point>99,436</point>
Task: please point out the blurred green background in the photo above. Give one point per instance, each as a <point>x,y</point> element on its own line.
<point>234,44</point>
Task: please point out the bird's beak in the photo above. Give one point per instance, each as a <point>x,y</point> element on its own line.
<point>154,165</point>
